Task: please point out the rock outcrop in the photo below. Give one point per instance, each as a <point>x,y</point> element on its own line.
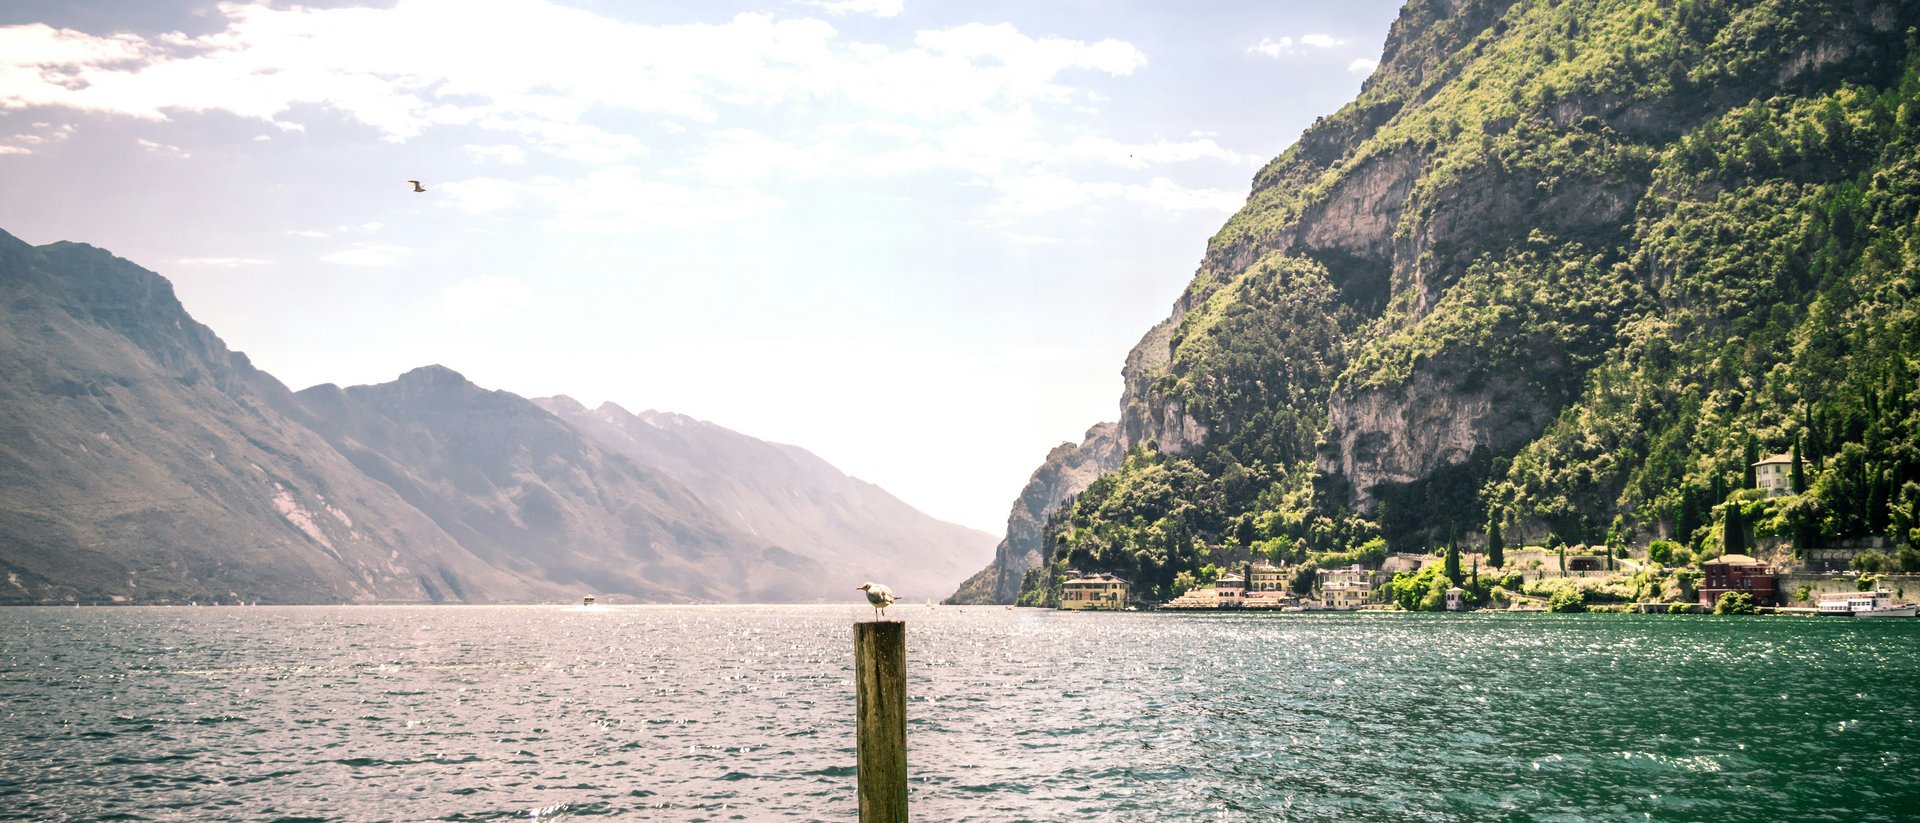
<point>1067,471</point>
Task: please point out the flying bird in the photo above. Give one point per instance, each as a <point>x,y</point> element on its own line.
<point>878,596</point>
<point>417,186</point>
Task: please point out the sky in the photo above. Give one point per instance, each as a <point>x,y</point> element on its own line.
<point>915,238</point>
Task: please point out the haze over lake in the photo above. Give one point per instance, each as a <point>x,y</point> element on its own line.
<point>746,713</point>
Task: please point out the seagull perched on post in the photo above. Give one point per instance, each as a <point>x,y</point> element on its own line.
<point>880,597</point>
<point>417,186</point>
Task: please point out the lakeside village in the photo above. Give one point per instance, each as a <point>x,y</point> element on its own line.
<point>1859,580</point>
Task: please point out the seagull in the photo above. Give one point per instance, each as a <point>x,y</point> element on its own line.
<point>417,186</point>
<point>880,597</point>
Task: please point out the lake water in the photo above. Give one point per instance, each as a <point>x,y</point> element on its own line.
<point>746,713</point>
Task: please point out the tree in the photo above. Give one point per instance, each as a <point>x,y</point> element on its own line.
<point>1554,541</point>
<point>1871,561</point>
<point>1733,533</point>
<point>1751,456</point>
<point>1879,490</point>
<point>1302,581</point>
<point>1453,563</point>
<point>1568,599</point>
<point>1799,469</point>
<point>1496,547</point>
<point>1734,603</point>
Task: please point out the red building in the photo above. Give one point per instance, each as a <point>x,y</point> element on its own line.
<point>1738,573</point>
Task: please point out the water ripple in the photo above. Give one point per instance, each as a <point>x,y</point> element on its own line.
<point>704,713</point>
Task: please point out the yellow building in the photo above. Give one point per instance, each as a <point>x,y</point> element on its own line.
<point>1096,591</point>
<point>1346,589</point>
<point>1265,578</point>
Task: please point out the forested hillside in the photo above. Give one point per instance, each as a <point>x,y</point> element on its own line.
<point>1567,268</point>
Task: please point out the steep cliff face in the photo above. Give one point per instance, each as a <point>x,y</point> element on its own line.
<point>1430,170</point>
<point>788,497</point>
<point>1432,307</point>
<point>1067,471</point>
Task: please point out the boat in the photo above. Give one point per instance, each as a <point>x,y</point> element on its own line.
<point>587,601</point>
<point>1877,603</point>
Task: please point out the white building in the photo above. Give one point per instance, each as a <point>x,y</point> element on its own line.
<point>1774,475</point>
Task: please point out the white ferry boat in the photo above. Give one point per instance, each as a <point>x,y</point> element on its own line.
<point>1865,604</point>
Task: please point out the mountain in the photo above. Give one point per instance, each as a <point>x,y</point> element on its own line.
<point>1563,267</point>
<point>1068,470</point>
<point>527,492</point>
<point>145,462</point>
<point>788,497</point>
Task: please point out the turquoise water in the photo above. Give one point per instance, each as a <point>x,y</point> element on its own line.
<point>745,713</point>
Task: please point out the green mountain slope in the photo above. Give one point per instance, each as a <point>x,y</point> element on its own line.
<point>1560,266</point>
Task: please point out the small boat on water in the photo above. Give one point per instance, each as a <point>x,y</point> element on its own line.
<point>587,601</point>
<point>1878,603</point>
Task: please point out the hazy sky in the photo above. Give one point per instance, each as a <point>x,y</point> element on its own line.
<point>915,238</point>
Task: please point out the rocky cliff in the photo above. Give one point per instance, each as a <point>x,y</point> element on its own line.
<point>1554,267</point>
<point>1067,471</point>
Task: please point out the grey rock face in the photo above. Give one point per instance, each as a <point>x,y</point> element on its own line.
<point>1067,471</point>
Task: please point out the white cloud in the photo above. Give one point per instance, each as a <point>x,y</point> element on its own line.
<point>877,8</point>
<point>1272,47</point>
<point>6,149</point>
<point>162,148</point>
<point>308,233</point>
<point>371,65</point>
<point>368,255</point>
<point>1166,195</point>
<point>261,138</point>
<point>988,101</point>
<point>222,262</point>
<point>1363,65</point>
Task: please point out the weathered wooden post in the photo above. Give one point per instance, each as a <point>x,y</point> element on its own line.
<point>880,698</point>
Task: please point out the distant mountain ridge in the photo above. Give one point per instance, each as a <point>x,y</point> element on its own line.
<point>790,497</point>
<point>145,462</point>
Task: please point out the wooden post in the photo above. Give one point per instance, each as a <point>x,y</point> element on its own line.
<point>880,698</point>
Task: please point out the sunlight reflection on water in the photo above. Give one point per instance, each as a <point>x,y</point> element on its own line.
<point>719,713</point>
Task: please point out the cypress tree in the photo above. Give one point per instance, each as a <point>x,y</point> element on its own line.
<point>1879,490</point>
<point>1799,472</point>
<point>1496,547</point>
<point>1453,563</point>
<point>1733,534</point>
<point>1747,480</point>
